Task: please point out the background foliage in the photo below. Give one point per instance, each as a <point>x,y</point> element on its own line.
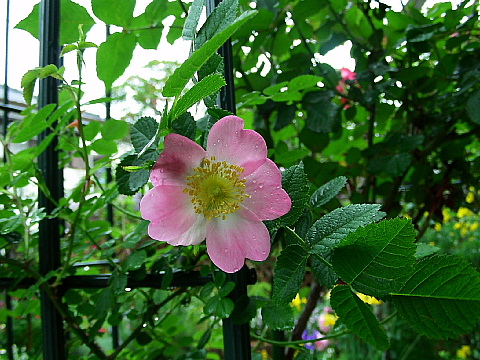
<point>398,137</point>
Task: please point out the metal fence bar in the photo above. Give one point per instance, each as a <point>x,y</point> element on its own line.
<point>49,229</point>
<point>6,110</point>
<point>236,337</point>
<point>180,279</point>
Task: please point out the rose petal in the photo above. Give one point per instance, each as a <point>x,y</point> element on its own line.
<point>231,241</point>
<point>229,142</point>
<point>172,217</point>
<point>267,198</point>
<point>177,161</point>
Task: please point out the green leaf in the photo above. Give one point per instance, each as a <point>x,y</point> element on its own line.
<point>130,182</point>
<point>207,86</point>
<point>104,147</point>
<point>289,272</point>
<point>113,57</point>
<point>34,123</point>
<point>424,250</point>
<point>82,45</point>
<point>28,84</point>
<point>68,48</point>
<point>441,299</point>
<point>323,273</point>
<point>134,261</point>
<point>473,107</point>
<point>118,282</point>
<point>185,125</point>
<point>222,16</point>
<point>226,289</point>
<point>336,225</point>
<point>72,15</point>
<point>358,317</point>
<point>103,302</point>
<point>154,14</point>
<point>114,12</point>
<point>47,71</point>
<point>205,338</point>
<point>221,307</point>
<point>150,38</point>
<point>327,191</point>
<point>294,181</point>
<point>375,259</point>
<point>176,83</point>
<point>303,82</point>
<point>91,130</point>
<point>114,129</point>
<point>191,22</point>
<point>278,317</point>
<point>142,133</point>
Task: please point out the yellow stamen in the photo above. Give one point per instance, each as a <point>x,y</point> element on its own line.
<point>216,189</point>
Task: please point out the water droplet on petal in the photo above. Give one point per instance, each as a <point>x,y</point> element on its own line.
<point>260,186</point>
<point>254,181</point>
<point>235,269</point>
<point>264,252</point>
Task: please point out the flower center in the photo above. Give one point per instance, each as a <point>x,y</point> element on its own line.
<point>216,189</point>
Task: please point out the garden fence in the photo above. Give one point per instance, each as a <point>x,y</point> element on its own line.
<point>236,337</point>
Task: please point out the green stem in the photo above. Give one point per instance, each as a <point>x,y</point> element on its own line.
<point>24,215</point>
<point>298,342</point>
<point>304,244</point>
<point>84,152</point>
<point>292,232</point>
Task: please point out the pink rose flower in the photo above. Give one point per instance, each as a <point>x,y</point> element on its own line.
<point>347,74</point>
<point>221,194</point>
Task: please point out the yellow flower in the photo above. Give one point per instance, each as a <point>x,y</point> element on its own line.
<point>298,301</point>
<point>474,226</point>
<point>264,354</point>
<point>329,319</point>
<point>457,225</point>
<point>438,226</point>
<point>369,299</point>
<point>470,197</point>
<point>462,212</point>
<point>464,352</point>
<point>446,215</point>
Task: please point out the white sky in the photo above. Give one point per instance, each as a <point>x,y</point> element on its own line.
<point>23,51</point>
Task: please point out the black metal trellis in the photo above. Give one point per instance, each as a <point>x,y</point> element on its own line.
<point>236,337</point>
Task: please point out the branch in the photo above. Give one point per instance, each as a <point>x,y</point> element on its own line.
<point>302,321</point>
